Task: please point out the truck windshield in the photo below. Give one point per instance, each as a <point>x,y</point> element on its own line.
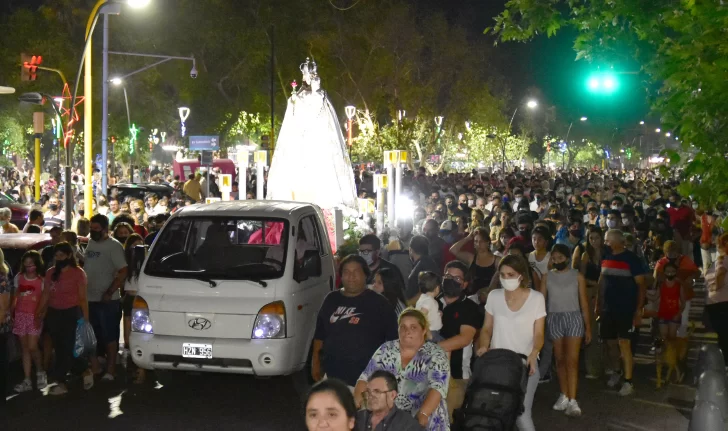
<point>221,248</point>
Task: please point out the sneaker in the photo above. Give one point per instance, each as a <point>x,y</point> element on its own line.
<point>627,389</point>
<point>573,409</point>
<point>107,378</point>
<point>561,404</point>
<point>41,380</point>
<point>25,386</point>
<point>59,389</point>
<point>613,380</point>
<point>88,381</point>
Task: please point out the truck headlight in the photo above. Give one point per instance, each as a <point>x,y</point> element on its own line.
<point>140,319</point>
<point>270,322</point>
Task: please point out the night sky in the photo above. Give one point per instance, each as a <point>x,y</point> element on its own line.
<point>547,64</point>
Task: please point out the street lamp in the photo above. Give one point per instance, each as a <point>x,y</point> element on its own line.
<point>117,82</point>
<point>583,118</point>
<point>658,130</point>
<point>642,122</point>
<point>532,104</point>
<point>668,134</point>
<point>86,66</point>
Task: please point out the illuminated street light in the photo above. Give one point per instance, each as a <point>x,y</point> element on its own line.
<point>658,130</point>
<point>668,134</point>
<point>583,118</point>
<point>642,122</point>
<point>532,104</point>
<point>116,80</point>
<point>138,3</point>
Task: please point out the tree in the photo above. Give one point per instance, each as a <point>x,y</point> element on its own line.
<point>681,48</point>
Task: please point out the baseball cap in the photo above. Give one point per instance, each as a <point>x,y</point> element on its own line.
<point>447,225</point>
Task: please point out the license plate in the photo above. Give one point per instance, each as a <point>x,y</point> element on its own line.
<point>190,350</point>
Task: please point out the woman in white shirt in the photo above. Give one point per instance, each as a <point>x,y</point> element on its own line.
<point>514,320</point>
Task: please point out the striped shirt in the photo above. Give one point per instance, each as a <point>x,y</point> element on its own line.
<point>618,277</point>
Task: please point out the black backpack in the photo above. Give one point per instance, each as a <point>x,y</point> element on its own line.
<point>494,398</point>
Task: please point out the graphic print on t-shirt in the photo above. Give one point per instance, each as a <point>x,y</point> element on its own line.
<point>344,313</point>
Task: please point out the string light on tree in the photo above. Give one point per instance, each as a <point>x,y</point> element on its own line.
<point>132,141</point>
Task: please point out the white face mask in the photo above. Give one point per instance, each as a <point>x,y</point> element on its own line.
<point>510,284</point>
<point>611,224</point>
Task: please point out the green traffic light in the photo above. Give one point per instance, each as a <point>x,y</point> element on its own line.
<point>604,83</point>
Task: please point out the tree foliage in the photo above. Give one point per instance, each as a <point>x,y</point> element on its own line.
<point>682,49</point>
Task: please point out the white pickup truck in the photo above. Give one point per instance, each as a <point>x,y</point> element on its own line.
<point>233,287</point>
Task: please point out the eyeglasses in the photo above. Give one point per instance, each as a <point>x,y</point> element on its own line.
<point>365,252</point>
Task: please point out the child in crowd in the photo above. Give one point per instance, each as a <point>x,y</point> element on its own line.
<point>429,283</point>
<point>29,288</point>
<point>672,302</point>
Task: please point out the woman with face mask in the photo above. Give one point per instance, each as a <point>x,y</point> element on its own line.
<point>514,320</point>
<point>568,324</point>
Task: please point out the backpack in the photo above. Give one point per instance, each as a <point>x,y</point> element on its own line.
<point>495,394</point>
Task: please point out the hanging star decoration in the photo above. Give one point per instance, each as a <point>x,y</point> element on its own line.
<point>65,109</point>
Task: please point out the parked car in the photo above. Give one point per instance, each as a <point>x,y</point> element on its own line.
<point>233,287</point>
<point>138,191</point>
<point>19,216</point>
<point>14,245</point>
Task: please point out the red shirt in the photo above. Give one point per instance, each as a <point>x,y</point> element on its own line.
<point>669,301</point>
<point>64,291</point>
<point>28,293</point>
<point>681,219</point>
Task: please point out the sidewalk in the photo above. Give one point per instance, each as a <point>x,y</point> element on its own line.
<point>649,409</point>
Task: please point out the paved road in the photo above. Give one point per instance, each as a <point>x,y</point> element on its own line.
<point>182,401</point>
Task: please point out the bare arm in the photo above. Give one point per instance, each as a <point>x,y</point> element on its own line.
<point>463,256</point>
<point>576,258</point>
<point>119,280</point>
<point>486,334</point>
<point>83,299</point>
<point>584,302</point>
<point>543,287</point>
<point>465,338</point>
<point>428,407</point>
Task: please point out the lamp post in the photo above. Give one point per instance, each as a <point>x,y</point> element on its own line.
<point>39,99</point>
<point>350,111</point>
<point>85,66</point>
<point>563,149</point>
<point>530,104</point>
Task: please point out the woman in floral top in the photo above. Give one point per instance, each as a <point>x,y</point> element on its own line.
<point>6,290</point>
<point>422,370</point>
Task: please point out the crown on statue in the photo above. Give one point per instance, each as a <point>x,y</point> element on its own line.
<point>308,69</point>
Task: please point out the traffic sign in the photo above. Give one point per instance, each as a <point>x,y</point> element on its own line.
<point>202,143</point>
<point>206,159</point>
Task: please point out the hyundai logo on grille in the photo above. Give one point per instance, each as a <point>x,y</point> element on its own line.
<point>199,323</point>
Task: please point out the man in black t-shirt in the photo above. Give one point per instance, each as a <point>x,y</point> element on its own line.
<point>351,325</point>
<point>461,320</point>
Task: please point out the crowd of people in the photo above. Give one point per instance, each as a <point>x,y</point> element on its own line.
<point>553,266</point>
<point>556,266</point>
<point>89,271</point>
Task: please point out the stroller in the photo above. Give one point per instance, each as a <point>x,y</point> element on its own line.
<point>494,398</point>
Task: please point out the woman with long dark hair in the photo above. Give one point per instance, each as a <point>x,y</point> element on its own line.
<point>389,283</point>
<point>63,302</point>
